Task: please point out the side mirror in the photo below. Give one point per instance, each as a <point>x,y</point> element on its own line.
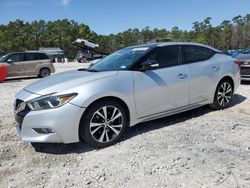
<point>150,65</point>
<point>9,61</point>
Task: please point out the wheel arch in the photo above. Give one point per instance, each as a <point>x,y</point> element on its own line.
<point>114,98</point>
<point>42,67</point>
<point>229,78</point>
<point>214,104</point>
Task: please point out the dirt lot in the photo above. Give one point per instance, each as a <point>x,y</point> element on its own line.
<point>199,148</point>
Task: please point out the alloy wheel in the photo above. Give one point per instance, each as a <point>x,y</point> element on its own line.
<point>106,124</point>
<point>224,94</point>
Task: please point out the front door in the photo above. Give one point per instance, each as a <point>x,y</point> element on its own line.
<point>14,66</point>
<point>164,88</point>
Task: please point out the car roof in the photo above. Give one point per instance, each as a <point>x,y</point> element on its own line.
<point>162,44</point>
<point>25,53</point>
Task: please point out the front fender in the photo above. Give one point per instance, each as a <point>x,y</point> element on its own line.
<point>119,86</point>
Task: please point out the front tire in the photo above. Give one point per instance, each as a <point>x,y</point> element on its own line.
<point>223,95</point>
<point>103,124</point>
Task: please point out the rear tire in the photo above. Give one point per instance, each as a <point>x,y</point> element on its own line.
<point>103,124</point>
<point>83,60</point>
<point>44,72</point>
<point>223,95</point>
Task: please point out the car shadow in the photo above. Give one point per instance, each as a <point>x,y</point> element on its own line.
<point>177,118</point>
<point>245,82</point>
<point>237,99</point>
<point>19,79</point>
<point>60,149</point>
<point>156,78</point>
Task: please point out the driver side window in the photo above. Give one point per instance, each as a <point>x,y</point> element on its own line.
<point>16,57</point>
<point>166,56</point>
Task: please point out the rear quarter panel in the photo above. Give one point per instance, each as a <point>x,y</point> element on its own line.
<point>229,68</point>
<point>44,64</point>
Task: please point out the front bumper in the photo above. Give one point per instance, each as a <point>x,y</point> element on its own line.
<point>64,121</point>
<point>245,77</point>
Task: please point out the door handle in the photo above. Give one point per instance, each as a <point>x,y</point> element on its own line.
<point>215,68</point>
<point>182,76</point>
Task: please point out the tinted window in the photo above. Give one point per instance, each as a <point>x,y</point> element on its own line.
<point>16,57</point>
<point>4,58</point>
<point>247,51</point>
<point>29,57</point>
<point>41,56</point>
<point>120,60</point>
<point>196,53</point>
<point>165,56</point>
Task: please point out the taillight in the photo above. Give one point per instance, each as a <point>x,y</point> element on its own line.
<point>51,61</point>
<point>237,62</point>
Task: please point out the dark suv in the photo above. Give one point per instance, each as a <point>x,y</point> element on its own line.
<point>244,59</point>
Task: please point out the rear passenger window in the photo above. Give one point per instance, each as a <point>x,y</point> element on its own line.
<point>166,56</point>
<point>196,53</point>
<point>29,57</point>
<point>42,56</point>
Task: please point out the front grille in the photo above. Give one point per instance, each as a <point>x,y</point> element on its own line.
<point>17,103</point>
<point>20,114</point>
<point>245,70</point>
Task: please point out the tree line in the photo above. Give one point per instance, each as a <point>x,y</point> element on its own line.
<point>20,36</point>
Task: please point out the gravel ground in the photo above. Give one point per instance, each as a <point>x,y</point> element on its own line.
<point>199,148</point>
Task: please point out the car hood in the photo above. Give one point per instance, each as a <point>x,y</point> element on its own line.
<point>243,57</point>
<point>62,81</point>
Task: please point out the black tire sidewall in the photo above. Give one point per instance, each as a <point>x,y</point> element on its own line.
<point>40,73</point>
<point>84,131</point>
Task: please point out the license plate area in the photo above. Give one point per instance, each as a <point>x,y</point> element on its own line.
<point>245,71</point>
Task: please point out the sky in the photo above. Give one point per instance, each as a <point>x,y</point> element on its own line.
<point>113,16</point>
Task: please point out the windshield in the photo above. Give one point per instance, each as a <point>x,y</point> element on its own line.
<point>4,58</point>
<point>120,60</point>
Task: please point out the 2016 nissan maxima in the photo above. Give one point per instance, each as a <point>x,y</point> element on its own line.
<point>132,85</point>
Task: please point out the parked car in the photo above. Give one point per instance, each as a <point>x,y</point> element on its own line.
<point>132,85</point>
<point>246,51</point>
<point>244,59</point>
<point>232,53</point>
<point>84,56</point>
<point>88,44</point>
<point>87,51</point>
<point>27,64</point>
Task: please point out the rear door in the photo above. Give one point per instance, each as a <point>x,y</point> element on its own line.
<point>29,63</point>
<point>42,58</point>
<point>204,71</point>
<point>164,88</point>
<point>43,61</point>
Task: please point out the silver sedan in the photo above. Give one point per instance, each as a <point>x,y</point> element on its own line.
<point>132,85</point>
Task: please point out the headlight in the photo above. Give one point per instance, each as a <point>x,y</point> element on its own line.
<point>49,102</point>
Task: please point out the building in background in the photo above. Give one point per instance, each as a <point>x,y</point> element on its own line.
<point>55,53</point>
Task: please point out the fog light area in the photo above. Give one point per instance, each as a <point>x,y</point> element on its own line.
<point>44,130</point>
